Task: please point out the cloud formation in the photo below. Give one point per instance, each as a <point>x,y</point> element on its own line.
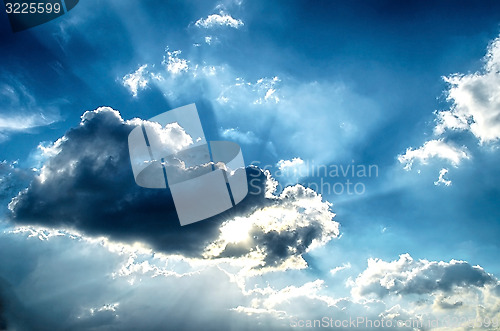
<point>441,179</point>
<point>12,179</point>
<point>221,19</point>
<point>247,137</point>
<point>437,148</point>
<point>20,111</point>
<point>285,165</point>
<point>409,276</point>
<point>86,184</point>
<point>117,283</point>
<point>475,100</point>
<point>475,108</point>
<point>137,80</point>
<point>89,283</point>
<point>277,235</point>
<point>270,105</point>
<point>175,64</point>
<point>427,292</point>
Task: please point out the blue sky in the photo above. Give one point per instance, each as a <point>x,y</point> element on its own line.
<point>409,88</point>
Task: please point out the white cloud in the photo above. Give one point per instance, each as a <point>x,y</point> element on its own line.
<point>437,148</point>
<point>219,20</point>
<point>24,122</point>
<point>298,221</point>
<point>310,290</point>
<point>157,77</point>
<point>20,110</point>
<point>344,266</point>
<point>271,107</point>
<point>428,291</point>
<point>136,80</point>
<point>172,137</point>
<point>265,91</point>
<point>290,171</point>
<point>441,179</point>
<point>409,276</point>
<point>174,64</point>
<point>268,88</point>
<point>89,291</point>
<point>448,120</point>
<point>269,95</point>
<point>475,108</point>
<point>475,100</point>
<point>292,164</point>
<point>247,137</point>
<point>12,179</point>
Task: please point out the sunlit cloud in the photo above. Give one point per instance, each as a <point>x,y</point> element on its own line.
<point>475,100</point>
<point>219,20</point>
<point>434,149</point>
<point>137,80</point>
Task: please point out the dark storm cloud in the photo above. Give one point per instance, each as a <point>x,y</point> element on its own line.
<point>87,184</point>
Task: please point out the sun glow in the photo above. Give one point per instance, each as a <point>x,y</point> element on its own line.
<point>236,231</point>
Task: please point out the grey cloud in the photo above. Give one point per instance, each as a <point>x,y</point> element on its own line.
<point>87,184</point>
<point>12,179</point>
<point>474,98</point>
<point>69,282</point>
<point>446,305</point>
<point>408,276</point>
